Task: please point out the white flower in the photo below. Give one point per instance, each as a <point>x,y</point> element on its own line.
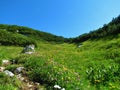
<point>57,87</point>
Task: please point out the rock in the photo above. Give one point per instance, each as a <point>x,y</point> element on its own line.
<point>19,69</point>
<point>6,62</point>
<point>9,73</point>
<point>29,85</point>
<point>63,89</point>
<point>19,76</point>
<point>22,79</point>
<point>80,45</point>
<point>17,31</point>
<point>2,69</point>
<point>37,83</point>
<point>57,87</point>
<point>29,48</point>
<point>29,52</point>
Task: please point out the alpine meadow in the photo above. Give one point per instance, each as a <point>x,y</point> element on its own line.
<point>35,60</point>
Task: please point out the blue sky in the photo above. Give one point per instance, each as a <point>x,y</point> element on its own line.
<point>68,18</point>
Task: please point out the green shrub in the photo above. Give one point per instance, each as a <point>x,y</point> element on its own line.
<point>8,38</point>
<point>8,87</point>
<point>11,68</point>
<point>9,82</point>
<point>111,54</point>
<point>101,75</point>
<point>51,73</point>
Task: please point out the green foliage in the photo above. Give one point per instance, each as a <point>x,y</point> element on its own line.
<point>8,87</point>
<point>51,73</point>
<point>11,68</point>
<point>19,35</point>
<point>7,83</point>
<point>111,54</point>
<point>8,38</point>
<point>103,75</point>
<point>9,52</point>
<point>110,29</point>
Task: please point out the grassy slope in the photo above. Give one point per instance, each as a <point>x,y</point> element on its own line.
<point>92,53</point>
<point>69,60</point>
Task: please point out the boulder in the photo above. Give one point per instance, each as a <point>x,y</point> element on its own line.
<point>29,48</point>
<point>9,73</point>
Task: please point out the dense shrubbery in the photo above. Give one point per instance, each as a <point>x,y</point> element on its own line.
<point>7,83</point>
<point>110,29</point>
<point>101,75</point>
<point>8,38</point>
<point>51,73</point>
<point>30,33</point>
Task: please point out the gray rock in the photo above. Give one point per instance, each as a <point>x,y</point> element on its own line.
<point>9,73</point>
<point>29,48</point>
<point>19,69</point>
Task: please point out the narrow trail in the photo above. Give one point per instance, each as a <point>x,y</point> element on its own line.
<point>27,84</point>
<point>20,75</point>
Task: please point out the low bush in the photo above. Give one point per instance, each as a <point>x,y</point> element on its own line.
<point>8,87</point>
<point>7,83</point>
<point>8,38</point>
<point>101,75</point>
<point>52,73</point>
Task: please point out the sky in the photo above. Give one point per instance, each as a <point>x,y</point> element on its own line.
<point>68,18</point>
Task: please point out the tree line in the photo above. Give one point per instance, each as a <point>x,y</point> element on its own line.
<point>110,29</point>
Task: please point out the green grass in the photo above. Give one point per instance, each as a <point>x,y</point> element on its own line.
<point>8,52</point>
<point>66,64</point>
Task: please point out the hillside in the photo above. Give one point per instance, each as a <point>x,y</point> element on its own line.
<point>110,30</point>
<point>20,35</point>
<point>92,65</point>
